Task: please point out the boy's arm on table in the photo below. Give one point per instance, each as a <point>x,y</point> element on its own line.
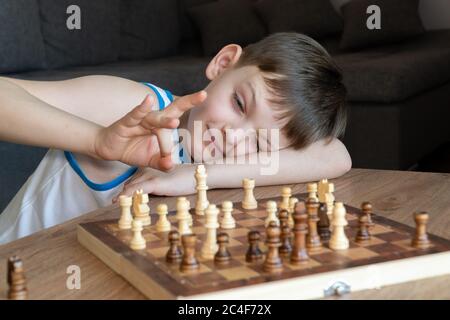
<point>319,160</point>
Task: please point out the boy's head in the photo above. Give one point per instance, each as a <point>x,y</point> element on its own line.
<point>286,81</point>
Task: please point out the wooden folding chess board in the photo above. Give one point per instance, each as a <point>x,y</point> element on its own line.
<point>387,258</point>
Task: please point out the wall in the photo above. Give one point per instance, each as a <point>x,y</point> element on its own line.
<point>435,13</point>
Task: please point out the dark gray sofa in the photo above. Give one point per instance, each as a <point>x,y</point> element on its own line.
<point>399,96</point>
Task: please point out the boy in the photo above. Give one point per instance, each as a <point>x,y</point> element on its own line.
<point>285,83</point>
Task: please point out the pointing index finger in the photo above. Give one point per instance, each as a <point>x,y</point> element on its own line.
<point>184,103</point>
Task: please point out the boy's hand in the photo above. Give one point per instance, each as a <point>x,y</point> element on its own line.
<point>162,183</point>
<point>144,137</point>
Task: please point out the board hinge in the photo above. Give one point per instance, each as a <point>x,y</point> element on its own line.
<point>338,288</point>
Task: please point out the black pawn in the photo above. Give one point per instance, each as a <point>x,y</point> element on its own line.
<point>253,253</point>
<point>189,262</point>
<point>273,261</point>
<point>363,233</point>
<point>174,253</point>
<point>286,234</point>
<point>222,256</point>
<point>324,223</point>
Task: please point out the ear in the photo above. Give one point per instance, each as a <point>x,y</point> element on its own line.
<point>226,58</point>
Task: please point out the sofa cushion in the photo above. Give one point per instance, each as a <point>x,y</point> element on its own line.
<point>396,72</point>
<point>188,29</point>
<point>400,20</point>
<point>97,41</point>
<point>180,74</point>
<point>227,21</point>
<point>21,43</point>
<point>316,18</point>
<point>149,29</point>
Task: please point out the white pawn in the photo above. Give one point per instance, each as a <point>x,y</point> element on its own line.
<point>227,221</point>
<point>210,245</point>
<point>138,241</point>
<point>163,224</point>
<point>183,216</point>
<point>322,189</point>
<point>329,200</point>
<point>125,212</point>
<point>201,187</point>
<point>286,194</point>
<point>292,203</point>
<point>311,188</point>
<point>271,208</point>
<point>249,201</point>
<point>338,240</point>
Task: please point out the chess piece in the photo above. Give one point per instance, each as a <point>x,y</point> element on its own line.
<point>286,234</point>
<point>189,262</point>
<point>311,188</point>
<point>299,254</point>
<point>312,239</point>
<point>163,224</point>
<point>273,261</point>
<point>420,240</point>
<point>125,212</point>
<point>363,234</point>
<point>324,223</point>
<point>174,253</point>
<point>183,216</point>
<point>271,209</point>
<point>253,253</point>
<point>339,240</point>
<point>210,246</point>
<point>138,241</point>
<point>227,221</point>
<point>292,203</point>
<point>249,201</point>
<point>140,207</point>
<point>223,256</point>
<point>286,194</point>
<point>16,279</point>
<point>366,208</point>
<point>329,200</point>
<point>322,189</point>
<point>201,187</point>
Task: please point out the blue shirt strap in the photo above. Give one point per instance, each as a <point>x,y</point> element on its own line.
<point>98,186</point>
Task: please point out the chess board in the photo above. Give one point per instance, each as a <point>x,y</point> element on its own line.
<point>387,258</point>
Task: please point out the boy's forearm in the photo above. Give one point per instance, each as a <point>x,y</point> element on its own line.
<point>25,119</point>
<point>311,164</point>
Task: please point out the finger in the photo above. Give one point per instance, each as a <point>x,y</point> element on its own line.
<point>163,163</point>
<point>147,186</point>
<point>159,120</point>
<point>165,141</point>
<point>135,116</point>
<point>185,103</point>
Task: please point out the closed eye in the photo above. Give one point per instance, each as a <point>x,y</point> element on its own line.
<point>239,103</point>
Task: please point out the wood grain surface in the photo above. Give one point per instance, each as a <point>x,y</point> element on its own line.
<point>394,194</point>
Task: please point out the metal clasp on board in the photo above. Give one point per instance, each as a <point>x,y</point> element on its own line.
<point>338,288</point>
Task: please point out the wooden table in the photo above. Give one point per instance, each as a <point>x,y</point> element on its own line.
<point>394,194</point>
